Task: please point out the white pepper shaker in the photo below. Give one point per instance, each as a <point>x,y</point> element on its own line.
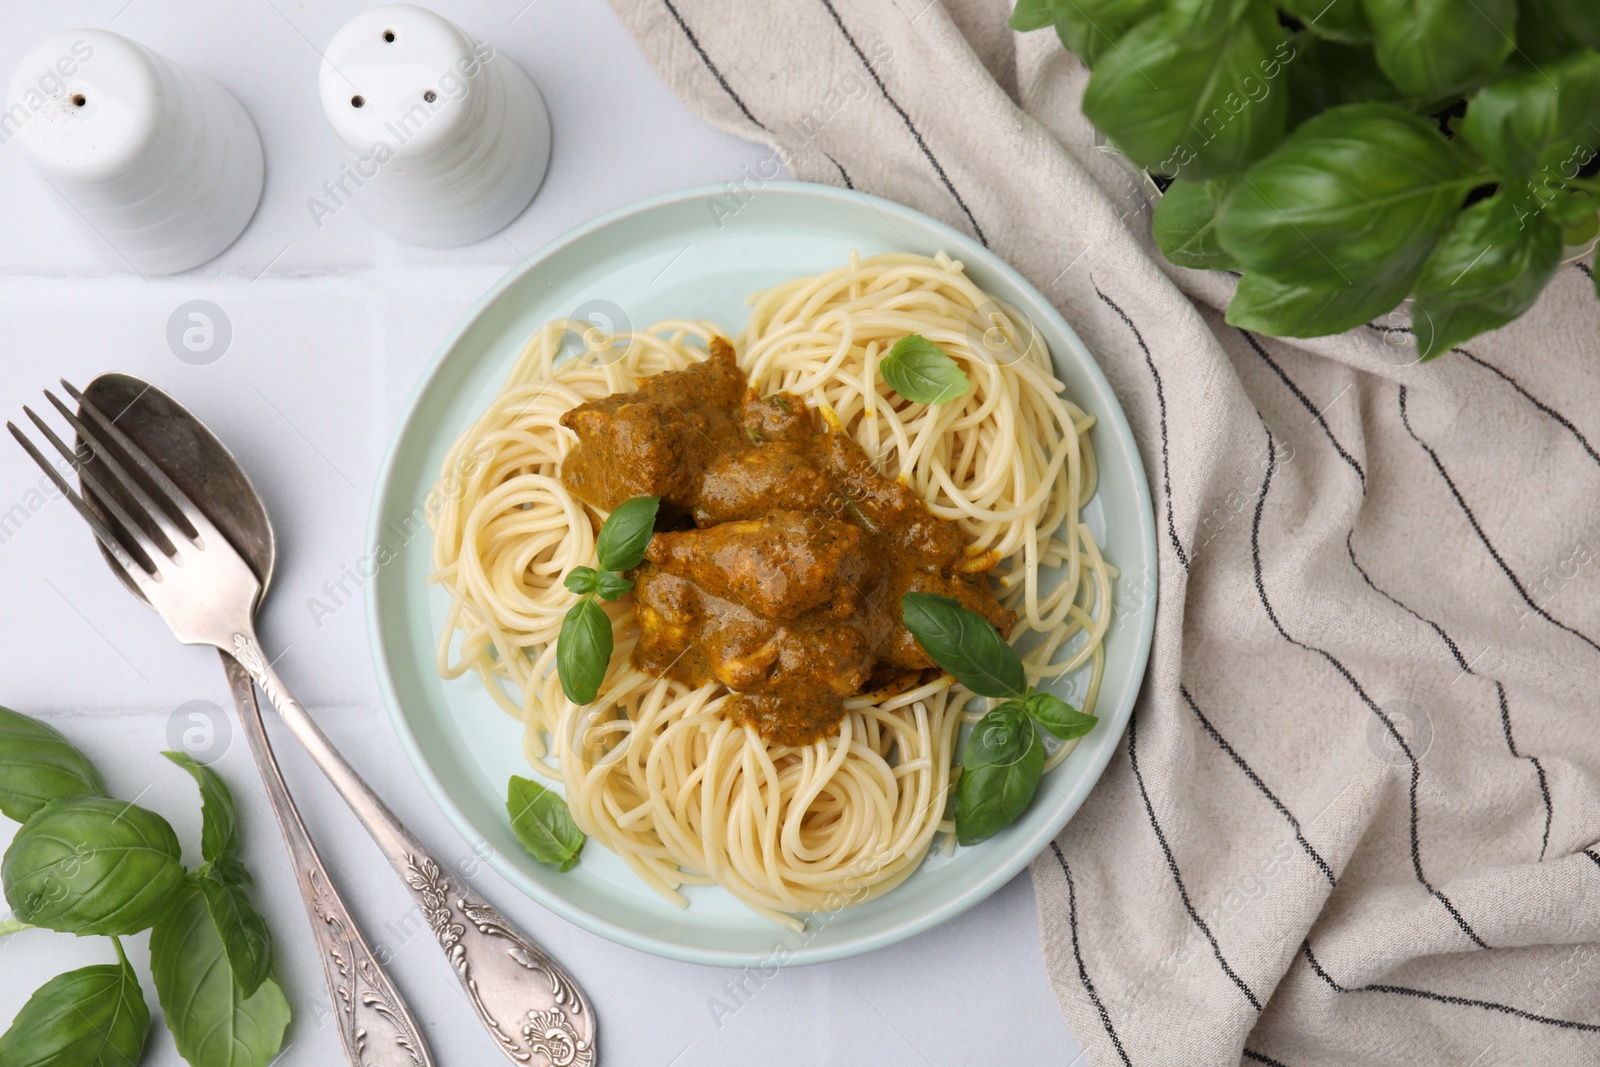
<point>160,166</point>
<point>445,141</point>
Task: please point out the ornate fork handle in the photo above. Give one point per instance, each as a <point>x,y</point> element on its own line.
<point>376,1028</point>
<point>527,1002</point>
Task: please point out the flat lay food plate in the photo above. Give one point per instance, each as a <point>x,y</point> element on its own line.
<point>697,254</point>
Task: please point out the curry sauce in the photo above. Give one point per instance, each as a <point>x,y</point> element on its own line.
<point>781,554</point>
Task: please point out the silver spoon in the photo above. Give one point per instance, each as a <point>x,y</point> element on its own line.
<point>187,569</point>
<point>374,1023</point>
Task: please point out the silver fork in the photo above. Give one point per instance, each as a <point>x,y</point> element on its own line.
<point>206,593</point>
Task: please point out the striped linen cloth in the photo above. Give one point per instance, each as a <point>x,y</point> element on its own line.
<point>1354,818</point>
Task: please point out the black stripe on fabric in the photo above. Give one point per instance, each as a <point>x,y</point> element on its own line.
<point>712,67</point>
<point>1161,404</point>
<point>1581,265</point>
<point>1259,1058</point>
<point>1592,854</point>
<point>848,184</point>
<point>1309,406</point>
<point>1536,402</point>
<point>1544,783</point>
<point>1172,865</point>
<point>1483,537</point>
<point>905,118</point>
<point>1461,661</point>
<point>1255,779</point>
<point>1077,953</point>
<point>1344,672</point>
<point>1442,998</point>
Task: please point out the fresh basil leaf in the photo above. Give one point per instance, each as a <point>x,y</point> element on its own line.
<point>1185,228</point>
<point>1288,309</point>
<point>1200,22</point>
<point>1202,112</point>
<point>92,865</point>
<point>213,1023</point>
<point>37,765</point>
<point>1489,269</point>
<point>1538,128</point>
<point>91,1017</point>
<point>583,651</point>
<point>244,932</point>
<point>963,643</point>
<point>1001,736</point>
<point>1580,230</point>
<point>219,819</point>
<point>612,586</point>
<point>582,580</point>
<point>1090,37</point>
<point>918,369</point>
<point>1549,29</point>
<point>990,796</point>
<point>1359,189</point>
<point>1336,20</point>
<point>1056,715</point>
<point>1032,15</point>
<point>626,533</point>
<point>1436,48</point>
<point>541,821</point>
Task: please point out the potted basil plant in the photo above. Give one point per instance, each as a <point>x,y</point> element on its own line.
<point>1343,156</point>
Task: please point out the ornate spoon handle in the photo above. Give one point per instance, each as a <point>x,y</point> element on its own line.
<point>374,1023</point>
<point>529,1004</point>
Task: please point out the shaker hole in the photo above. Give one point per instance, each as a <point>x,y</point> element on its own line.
<point>358,101</point>
<point>388,36</point>
<point>430,96</point>
<point>78,100</point>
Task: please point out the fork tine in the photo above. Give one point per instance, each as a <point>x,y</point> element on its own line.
<point>188,512</point>
<point>172,526</point>
<point>138,539</point>
<point>136,570</point>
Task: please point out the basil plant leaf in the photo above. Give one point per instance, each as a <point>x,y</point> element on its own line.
<point>626,533</point>
<point>963,643</point>
<point>1336,20</point>
<point>583,651</point>
<point>92,865</point>
<point>1538,128</point>
<point>990,796</point>
<point>244,932</point>
<point>1549,29</point>
<point>919,370</point>
<point>582,580</point>
<point>213,1022</point>
<point>1437,48</point>
<point>1091,38</point>
<point>1200,22</point>
<point>38,765</point>
<point>1581,230</point>
<point>1032,15</point>
<point>1185,228</point>
<point>1316,309</point>
<point>1355,190</point>
<point>91,1017</point>
<point>1060,718</point>
<point>609,585</point>
<point>1001,736</point>
<point>541,821</point>
<point>219,819</point>
<point>1489,269</point>
<point>1196,112</point>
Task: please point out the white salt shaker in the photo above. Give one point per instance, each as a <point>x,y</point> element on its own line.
<point>445,141</point>
<point>160,166</point>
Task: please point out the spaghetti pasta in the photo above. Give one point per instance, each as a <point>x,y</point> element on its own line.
<point>653,770</point>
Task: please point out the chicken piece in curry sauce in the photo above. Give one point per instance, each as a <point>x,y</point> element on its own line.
<point>781,553</point>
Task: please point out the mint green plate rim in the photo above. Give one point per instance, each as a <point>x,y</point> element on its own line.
<point>421,711</point>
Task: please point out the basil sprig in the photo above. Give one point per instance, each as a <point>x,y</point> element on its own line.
<point>86,863</point>
<point>583,650</point>
<point>919,370</point>
<point>1003,757</point>
<point>543,824</point>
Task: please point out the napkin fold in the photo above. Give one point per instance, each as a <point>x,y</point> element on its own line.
<point>1355,815</point>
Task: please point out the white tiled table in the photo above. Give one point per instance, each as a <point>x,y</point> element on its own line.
<point>331,326</point>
